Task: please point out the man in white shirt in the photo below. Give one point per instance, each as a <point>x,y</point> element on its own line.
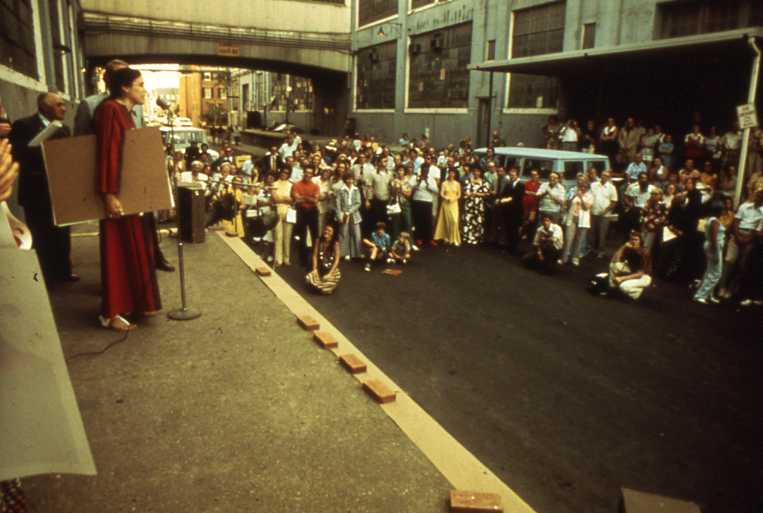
<point>547,246</point>
<point>380,180</point>
<point>635,198</point>
<point>747,234</point>
<point>552,197</point>
<point>731,143</point>
<point>635,168</point>
<point>604,202</point>
<point>287,149</point>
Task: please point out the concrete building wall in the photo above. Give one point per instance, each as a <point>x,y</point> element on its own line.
<point>617,22</point>
<point>491,20</point>
<point>286,15</point>
<point>18,91</point>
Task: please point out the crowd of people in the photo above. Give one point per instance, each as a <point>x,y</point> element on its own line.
<point>383,204</point>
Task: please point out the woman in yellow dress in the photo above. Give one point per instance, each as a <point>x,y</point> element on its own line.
<point>448,229</point>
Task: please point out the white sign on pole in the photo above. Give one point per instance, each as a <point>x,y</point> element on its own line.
<point>747,116</point>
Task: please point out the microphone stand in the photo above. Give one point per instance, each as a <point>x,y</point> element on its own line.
<point>184,313</point>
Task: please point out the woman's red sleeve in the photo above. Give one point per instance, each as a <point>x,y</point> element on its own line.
<point>110,134</point>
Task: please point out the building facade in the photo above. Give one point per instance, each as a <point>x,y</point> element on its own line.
<point>414,63</point>
<point>269,98</point>
<point>39,51</point>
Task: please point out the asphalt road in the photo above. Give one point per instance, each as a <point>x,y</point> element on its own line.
<point>567,396</point>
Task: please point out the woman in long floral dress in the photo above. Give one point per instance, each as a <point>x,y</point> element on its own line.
<point>475,191</point>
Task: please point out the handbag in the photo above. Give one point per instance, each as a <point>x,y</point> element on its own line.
<point>291,215</point>
<point>393,208</point>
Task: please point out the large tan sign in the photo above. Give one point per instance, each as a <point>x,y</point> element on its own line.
<point>72,176</point>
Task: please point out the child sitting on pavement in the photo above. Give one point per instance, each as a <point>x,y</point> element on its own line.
<point>401,249</point>
<point>378,246</point>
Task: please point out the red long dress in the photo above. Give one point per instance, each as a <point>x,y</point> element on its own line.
<point>128,265</point>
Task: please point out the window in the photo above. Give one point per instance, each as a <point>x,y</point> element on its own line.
<point>207,93</point>
<point>245,96</point>
<point>370,11</point>
<point>375,77</point>
<point>222,93</point>
<point>294,92</point>
<point>17,49</point>
<point>536,31</point>
<point>756,14</point>
<point>572,168</point>
<point>589,35</point>
<point>415,4</point>
<point>688,18</point>
<point>533,92</point>
<point>490,50</point>
<point>301,94</point>
<point>544,167</point>
<point>439,77</point>
<point>207,75</point>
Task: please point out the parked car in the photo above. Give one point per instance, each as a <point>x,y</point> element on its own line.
<point>567,163</point>
<point>184,136</point>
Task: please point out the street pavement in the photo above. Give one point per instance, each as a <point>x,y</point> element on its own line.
<point>237,411</point>
<point>567,396</point>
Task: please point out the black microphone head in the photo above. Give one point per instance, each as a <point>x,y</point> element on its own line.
<point>161,102</point>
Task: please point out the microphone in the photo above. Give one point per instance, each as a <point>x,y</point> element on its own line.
<point>161,102</point>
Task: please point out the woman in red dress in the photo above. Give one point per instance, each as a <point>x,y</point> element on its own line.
<point>128,267</point>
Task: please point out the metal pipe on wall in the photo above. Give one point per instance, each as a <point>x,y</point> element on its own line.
<point>489,110</point>
<point>751,96</point>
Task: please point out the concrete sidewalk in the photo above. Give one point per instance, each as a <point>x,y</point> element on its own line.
<point>237,411</point>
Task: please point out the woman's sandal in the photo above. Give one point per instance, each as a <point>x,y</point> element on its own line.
<point>116,323</point>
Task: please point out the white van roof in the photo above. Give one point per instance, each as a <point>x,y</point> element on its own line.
<point>541,153</point>
<point>180,129</point>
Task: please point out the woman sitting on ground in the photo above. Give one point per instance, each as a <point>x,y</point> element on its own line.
<point>630,267</point>
<point>325,275</point>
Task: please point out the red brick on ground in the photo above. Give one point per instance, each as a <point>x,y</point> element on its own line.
<point>262,270</point>
<point>379,391</point>
<point>325,339</point>
<point>353,364</point>
<point>308,323</point>
<point>474,502</point>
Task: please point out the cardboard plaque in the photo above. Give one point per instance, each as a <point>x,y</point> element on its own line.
<point>72,176</point>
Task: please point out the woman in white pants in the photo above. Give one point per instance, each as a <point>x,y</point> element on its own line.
<point>578,222</point>
<point>348,217</point>
<point>715,240</point>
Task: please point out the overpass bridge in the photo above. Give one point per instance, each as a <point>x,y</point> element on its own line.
<point>256,34</point>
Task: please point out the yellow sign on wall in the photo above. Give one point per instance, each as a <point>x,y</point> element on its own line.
<point>228,50</point>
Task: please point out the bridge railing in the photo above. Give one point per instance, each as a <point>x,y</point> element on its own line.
<point>102,22</point>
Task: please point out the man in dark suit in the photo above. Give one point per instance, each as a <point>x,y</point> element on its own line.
<point>497,227</point>
<point>52,243</point>
<point>270,162</point>
<point>512,210</point>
